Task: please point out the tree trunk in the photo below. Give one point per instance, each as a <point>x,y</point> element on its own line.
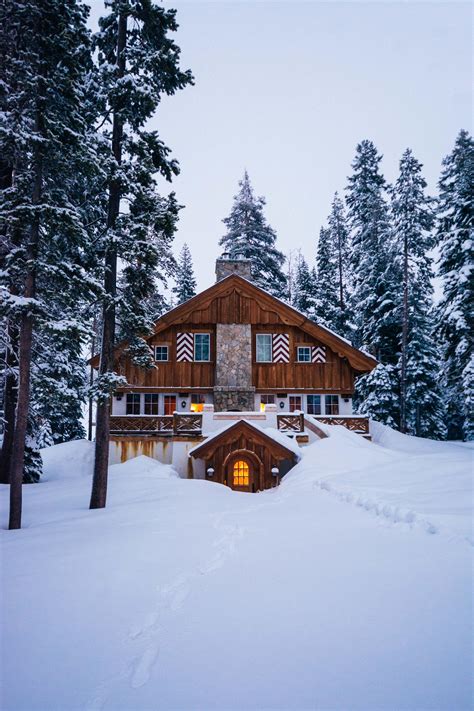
<point>102,433</point>
<point>25,347</point>
<point>91,380</point>
<point>9,402</point>
<point>403,369</point>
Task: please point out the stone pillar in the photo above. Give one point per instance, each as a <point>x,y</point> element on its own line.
<point>233,382</point>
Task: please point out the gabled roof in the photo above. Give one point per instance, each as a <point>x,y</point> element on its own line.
<point>272,438</point>
<point>360,361</point>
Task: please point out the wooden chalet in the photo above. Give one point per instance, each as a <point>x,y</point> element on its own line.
<point>234,355</point>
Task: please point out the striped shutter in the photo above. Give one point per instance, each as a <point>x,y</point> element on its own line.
<point>185,347</point>
<point>318,354</point>
<point>281,348</point>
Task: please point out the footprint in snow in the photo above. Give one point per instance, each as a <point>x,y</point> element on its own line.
<point>141,673</point>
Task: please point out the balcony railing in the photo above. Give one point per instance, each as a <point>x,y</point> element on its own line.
<point>355,423</point>
<point>291,422</point>
<point>176,424</point>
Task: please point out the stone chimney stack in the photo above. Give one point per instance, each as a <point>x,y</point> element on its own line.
<point>227,265</point>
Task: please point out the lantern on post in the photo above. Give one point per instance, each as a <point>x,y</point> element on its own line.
<point>210,471</point>
<point>275,471</point>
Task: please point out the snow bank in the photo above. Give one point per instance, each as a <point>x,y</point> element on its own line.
<point>408,479</point>
<point>70,459</point>
<point>143,465</point>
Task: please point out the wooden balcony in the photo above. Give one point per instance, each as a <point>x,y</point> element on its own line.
<point>354,423</point>
<point>291,422</point>
<point>160,425</point>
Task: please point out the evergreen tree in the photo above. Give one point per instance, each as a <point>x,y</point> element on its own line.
<point>138,63</point>
<point>304,289</point>
<point>249,234</point>
<point>43,142</point>
<point>378,395</point>
<point>376,281</point>
<point>340,237</point>
<point>421,405</point>
<point>456,309</point>
<point>326,309</point>
<point>185,281</point>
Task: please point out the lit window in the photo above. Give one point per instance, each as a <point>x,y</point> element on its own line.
<point>295,403</point>
<point>240,473</point>
<point>264,347</point>
<point>133,404</point>
<point>202,346</point>
<point>197,403</point>
<point>151,403</point>
<point>170,404</point>
<point>304,354</point>
<point>332,404</point>
<point>266,400</point>
<point>161,353</point>
<point>313,404</point>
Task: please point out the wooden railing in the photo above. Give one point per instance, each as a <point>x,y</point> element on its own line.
<point>293,422</point>
<point>159,425</point>
<point>355,423</point>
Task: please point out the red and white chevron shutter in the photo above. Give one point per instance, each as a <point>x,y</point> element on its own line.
<point>281,348</point>
<point>185,347</point>
<point>318,354</point>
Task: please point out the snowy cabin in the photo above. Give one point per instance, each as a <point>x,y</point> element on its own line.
<point>241,381</point>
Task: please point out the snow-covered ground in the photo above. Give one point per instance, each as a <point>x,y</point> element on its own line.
<point>348,587</point>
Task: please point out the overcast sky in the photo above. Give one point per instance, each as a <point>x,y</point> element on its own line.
<point>287,90</point>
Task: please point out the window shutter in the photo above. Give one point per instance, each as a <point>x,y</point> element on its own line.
<point>318,354</point>
<point>185,347</point>
<point>281,348</point>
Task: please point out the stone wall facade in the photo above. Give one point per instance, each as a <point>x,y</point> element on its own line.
<point>225,267</point>
<point>233,378</point>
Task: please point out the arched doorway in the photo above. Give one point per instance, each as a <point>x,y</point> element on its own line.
<point>242,470</point>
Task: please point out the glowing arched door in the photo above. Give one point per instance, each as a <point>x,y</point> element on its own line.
<point>241,473</point>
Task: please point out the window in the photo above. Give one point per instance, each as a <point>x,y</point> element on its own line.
<point>264,347</point>
<point>151,404</point>
<point>295,403</point>
<point>170,404</point>
<point>266,400</point>
<point>313,404</point>
<point>240,473</point>
<point>202,346</point>
<point>303,354</point>
<point>197,402</point>
<point>161,353</point>
<point>332,405</point>
<point>133,404</point>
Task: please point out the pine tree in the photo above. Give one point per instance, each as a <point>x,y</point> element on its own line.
<point>185,281</point>
<point>456,309</point>
<point>340,238</point>
<point>326,309</point>
<point>421,406</point>
<point>43,142</point>
<point>138,63</point>
<point>303,300</point>
<point>376,281</point>
<point>249,234</point>
<point>378,395</point>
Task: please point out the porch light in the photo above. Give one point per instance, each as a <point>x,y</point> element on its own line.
<point>210,471</point>
<point>275,471</point>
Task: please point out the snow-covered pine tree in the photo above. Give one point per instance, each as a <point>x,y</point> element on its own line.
<point>303,300</point>
<point>377,394</point>
<point>326,288</point>
<point>456,266</point>
<point>138,62</point>
<point>421,404</point>
<point>249,234</point>
<point>42,140</point>
<point>376,280</point>
<point>184,277</point>
<point>337,225</point>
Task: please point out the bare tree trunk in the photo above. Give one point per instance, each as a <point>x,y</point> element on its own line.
<point>9,402</point>
<point>102,432</point>
<point>403,369</point>
<point>25,349</point>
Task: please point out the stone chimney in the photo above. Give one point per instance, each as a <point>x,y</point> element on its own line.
<point>227,265</point>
